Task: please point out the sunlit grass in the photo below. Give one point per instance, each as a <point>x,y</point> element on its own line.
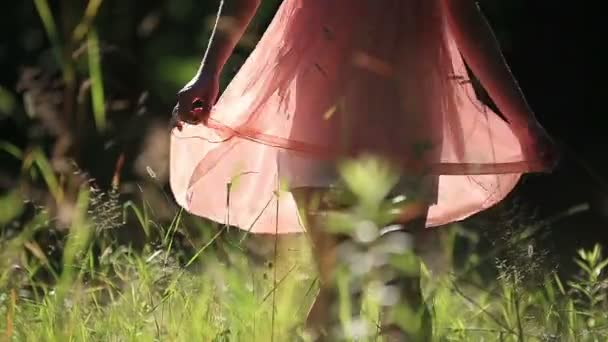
<point>103,290</point>
<point>147,299</point>
<point>97,92</point>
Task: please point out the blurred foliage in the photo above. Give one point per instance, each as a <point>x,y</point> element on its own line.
<point>89,81</point>
<point>70,278</point>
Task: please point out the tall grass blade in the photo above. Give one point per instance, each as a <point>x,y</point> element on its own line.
<point>44,11</point>
<point>97,92</point>
<point>11,149</point>
<point>85,24</point>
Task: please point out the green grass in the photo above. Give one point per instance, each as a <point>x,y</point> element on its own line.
<point>146,299</point>
<point>97,93</point>
<point>212,288</point>
<point>101,290</point>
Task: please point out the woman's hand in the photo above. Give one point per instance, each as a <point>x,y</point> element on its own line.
<point>537,144</point>
<point>195,99</point>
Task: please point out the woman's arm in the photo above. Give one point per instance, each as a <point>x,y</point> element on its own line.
<point>204,86</point>
<point>480,49</point>
<point>231,26</point>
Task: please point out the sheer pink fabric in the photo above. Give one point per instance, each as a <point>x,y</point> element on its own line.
<point>333,79</point>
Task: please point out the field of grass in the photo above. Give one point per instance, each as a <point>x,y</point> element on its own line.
<point>190,280</point>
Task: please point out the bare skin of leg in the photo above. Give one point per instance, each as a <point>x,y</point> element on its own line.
<point>312,202</point>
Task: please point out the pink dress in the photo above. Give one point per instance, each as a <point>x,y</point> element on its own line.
<point>334,79</point>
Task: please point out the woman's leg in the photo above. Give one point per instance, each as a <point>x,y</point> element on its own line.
<point>413,222</point>
<point>313,203</point>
